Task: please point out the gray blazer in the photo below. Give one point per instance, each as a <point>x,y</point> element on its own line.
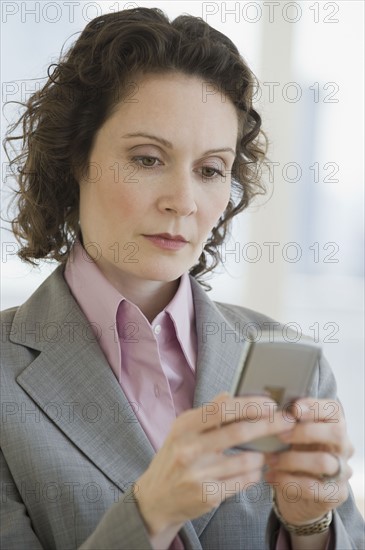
<point>72,446</point>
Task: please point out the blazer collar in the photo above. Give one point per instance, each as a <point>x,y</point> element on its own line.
<point>72,369</point>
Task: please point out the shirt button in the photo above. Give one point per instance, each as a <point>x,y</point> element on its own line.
<point>157,390</point>
<point>157,329</point>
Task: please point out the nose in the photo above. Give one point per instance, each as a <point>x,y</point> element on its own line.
<point>179,194</point>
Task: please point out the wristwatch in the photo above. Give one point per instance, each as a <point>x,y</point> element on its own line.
<point>314,528</point>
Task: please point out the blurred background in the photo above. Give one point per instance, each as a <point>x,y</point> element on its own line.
<point>297,254</point>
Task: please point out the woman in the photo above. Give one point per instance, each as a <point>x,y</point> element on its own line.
<point>137,153</point>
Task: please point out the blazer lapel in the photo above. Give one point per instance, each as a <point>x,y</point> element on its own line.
<point>220,348</point>
<point>73,384</point>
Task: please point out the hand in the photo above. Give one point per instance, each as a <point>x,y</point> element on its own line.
<point>190,474</point>
<point>319,434</point>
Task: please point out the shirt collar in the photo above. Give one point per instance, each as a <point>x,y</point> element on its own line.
<point>182,313</point>
<point>100,300</point>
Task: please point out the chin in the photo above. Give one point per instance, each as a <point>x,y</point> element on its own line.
<point>162,272</point>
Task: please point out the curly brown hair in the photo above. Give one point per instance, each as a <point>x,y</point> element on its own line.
<point>61,120</point>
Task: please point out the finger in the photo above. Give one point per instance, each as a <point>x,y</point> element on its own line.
<point>224,467</point>
<point>317,410</point>
<point>238,433</point>
<point>332,437</point>
<point>221,410</point>
<point>293,489</point>
<point>191,447</point>
<point>313,464</point>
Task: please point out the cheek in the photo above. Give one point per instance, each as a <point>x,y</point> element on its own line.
<point>210,217</point>
<point>218,205</point>
<point>108,201</point>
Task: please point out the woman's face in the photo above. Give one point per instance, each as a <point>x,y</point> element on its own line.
<point>159,165</point>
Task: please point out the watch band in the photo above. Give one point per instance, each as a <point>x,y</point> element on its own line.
<point>313,528</point>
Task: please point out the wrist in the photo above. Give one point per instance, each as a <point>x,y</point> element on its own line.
<point>313,527</point>
<point>152,515</point>
<point>153,523</point>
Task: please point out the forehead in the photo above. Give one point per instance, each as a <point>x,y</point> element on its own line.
<point>181,106</point>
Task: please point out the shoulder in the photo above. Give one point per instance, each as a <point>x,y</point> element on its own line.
<point>248,323</point>
<point>48,296</point>
<point>27,328</point>
<point>234,312</point>
<point>7,316</point>
<point>7,325</point>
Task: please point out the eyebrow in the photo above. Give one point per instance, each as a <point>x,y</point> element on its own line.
<point>169,145</point>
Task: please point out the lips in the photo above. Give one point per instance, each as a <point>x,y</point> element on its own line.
<point>168,236</point>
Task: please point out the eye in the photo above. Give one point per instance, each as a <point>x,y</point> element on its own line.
<point>144,161</point>
<point>208,172</point>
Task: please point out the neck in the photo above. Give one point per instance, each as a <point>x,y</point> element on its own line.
<point>151,297</point>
